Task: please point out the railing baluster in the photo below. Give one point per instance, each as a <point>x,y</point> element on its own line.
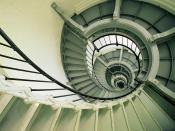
<point>19,79</point>
<point>64,95</point>
<point>46,89</point>
<point>12,58</point>
<point>18,69</point>
<point>77,100</point>
<point>5,45</point>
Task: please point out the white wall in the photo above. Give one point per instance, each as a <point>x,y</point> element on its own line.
<point>36,30</point>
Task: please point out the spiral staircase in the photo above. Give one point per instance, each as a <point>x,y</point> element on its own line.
<point>118,58</point>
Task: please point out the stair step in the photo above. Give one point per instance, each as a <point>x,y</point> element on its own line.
<point>87,120</point>
<point>92,91</point>
<point>161,101</point>
<point>6,101</point>
<point>74,54</point>
<point>80,80</point>
<point>106,95</point>
<point>116,53</point>
<point>18,116</point>
<point>74,47</point>
<point>74,57</point>
<point>120,122</point>
<point>67,120</point>
<point>44,119</point>
<point>74,64</point>
<point>14,114</point>
<point>82,46</point>
<point>77,74</point>
<point>102,94</point>
<point>75,68</point>
<point>104,120</point>
<point>72,37</point>
<point>105,59</point>
<point>108,56</point>
<point>83,84</point>
<point>157,113</point>
<point>96,94</point>
<point>133,120</point>
<point>74,61</point>
<point>144,115</point>
<point>30,116</point>
<point>72,50</point>
<point>87,88</point>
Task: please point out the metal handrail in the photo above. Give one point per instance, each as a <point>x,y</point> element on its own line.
<point>29,61</point>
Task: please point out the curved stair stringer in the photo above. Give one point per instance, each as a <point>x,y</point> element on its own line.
<point>74,63</point>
